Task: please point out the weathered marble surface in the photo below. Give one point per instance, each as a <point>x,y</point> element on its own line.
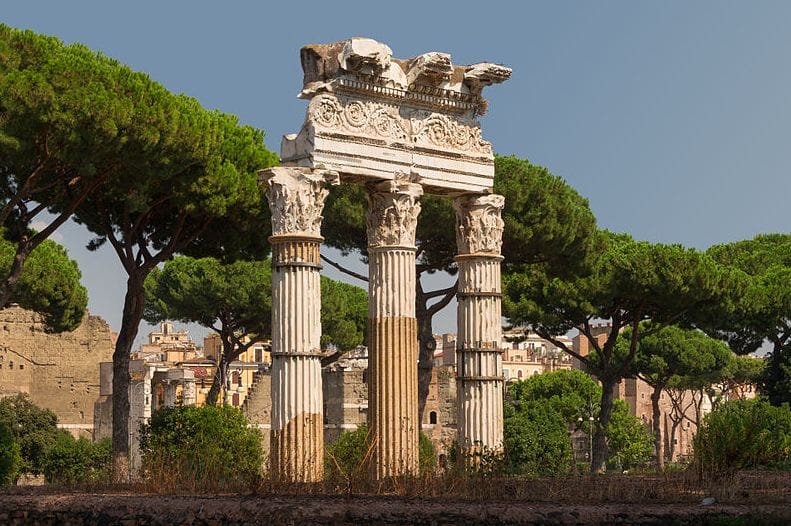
<point>371,115</point>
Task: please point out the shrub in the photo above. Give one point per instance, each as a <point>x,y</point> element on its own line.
<point>743,434</point>
<point>72,461</point>
<point>427,454</point>
<point>35,430</point>
<point>536,441</point>
<point>200,448</point>
<point>629,441</point>
<point>345,458</point>
<point>10,458</point>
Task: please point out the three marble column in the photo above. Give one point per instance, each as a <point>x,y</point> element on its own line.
<point>296,198</point>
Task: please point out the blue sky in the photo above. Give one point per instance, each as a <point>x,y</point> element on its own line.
<point>672,118</point>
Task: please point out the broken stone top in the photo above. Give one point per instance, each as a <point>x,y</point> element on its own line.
<point>430,79</point>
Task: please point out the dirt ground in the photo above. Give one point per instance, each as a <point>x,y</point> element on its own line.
<point>43,506</point>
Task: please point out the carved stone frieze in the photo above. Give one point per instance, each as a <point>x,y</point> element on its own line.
<point>393,208</point>
<point>358,117</point>
<point>296,199</point>
<point>415,127</point>
<point>441,131</point>
<point>479,227</point>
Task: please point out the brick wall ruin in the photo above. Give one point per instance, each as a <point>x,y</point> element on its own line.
<point>59,371</point>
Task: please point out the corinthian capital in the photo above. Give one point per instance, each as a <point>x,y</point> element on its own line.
<point>479,227</point>
<point>296,199</point>
<point>393,208</point>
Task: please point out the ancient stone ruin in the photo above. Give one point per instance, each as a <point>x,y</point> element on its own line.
<point>401,128</point>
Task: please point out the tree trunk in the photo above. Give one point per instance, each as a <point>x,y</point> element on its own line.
<point>7,288</point>
<point>671,442</point>
<point>426,346</point>
<point>698,415</point>
<point>217,382</point>
<point>133,312</point>
<point>600,448</point>
<point>229,353</point>
<point>659,445</point>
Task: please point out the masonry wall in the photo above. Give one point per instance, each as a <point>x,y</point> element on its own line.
<point>257,406</point>
<point>441,401</point>
<point>59,371</point>
<point>346,402</point>
<point>345,397</point>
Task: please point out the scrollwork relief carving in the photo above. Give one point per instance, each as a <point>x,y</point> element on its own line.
<point>393,208</point>
<point>435,129</point>
<point>479,227</point>
<point>375,119</point>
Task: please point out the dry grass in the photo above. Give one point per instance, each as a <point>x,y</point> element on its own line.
<point>749,487</point>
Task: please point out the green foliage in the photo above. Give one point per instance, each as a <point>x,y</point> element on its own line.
<point>49,284</point>
<point>536,440</point>
<point>743,434</point>
<point>547,223</point>
<point>626,282</point>
<point>201,446</point>
<point>151,173</point>
<point>345,458</point>
<point>744,371</point>
<point>72,461</point>
<point>671,351</point>
<point>236,300</point>
<point>629,441</point>
<point>763,311</point>
<point>205,291</point>
<point>427,454</point>
<point>344,315</point>
<point>572,393</point>
<point>35,430</point>
<point>10,456</point>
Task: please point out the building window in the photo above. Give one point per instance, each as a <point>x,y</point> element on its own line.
<point>506,373</point>
<point>432,417</point>
<point>535,373</point>
<point>519,373</point>
<point>21,366</point>
<point>235,400</point>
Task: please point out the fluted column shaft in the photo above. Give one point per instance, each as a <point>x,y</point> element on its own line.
<point>296,199</point>
<point>479,360</point>
<point>392,388</point>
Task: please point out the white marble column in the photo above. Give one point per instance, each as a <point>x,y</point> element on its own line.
<point>171,387</point>
<point>296,199</point>
<point>479,232</point>
<point>393,209</point>
<point>188,393</point>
